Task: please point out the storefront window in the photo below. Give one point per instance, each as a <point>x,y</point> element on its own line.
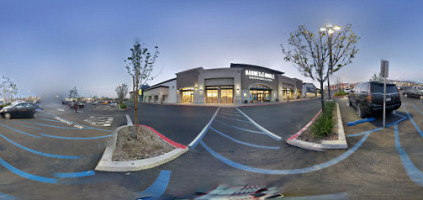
<point>226,95</point>
<point>187,96</point>
<point>212,96</point>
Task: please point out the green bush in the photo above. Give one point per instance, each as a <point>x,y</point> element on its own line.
<point>341,93</point>
<point>324,124</point>
<point>123,106</point>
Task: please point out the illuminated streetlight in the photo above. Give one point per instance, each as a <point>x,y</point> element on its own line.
<point>329,29</point>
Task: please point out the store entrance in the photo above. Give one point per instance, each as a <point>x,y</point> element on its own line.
<point>260,93</point>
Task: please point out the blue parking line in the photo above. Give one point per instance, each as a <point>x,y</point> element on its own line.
<point>4,196</point>
<point>37,152</point>
<point>26,175</point>
<point>398,121</point>
<point>16,130</point>
<point>76,138</point>
<point>51,120</point>
<point>48,125</point>
<point>19,124</point>
<point>414,123</point>
<point>415,174</point>
<point>157,189</point>
<point>239,128</point>
<point>365,132</point>
<point>244,143</point>
<point>234,119</point>
<point>418,110</point>
<point>75,174</point>
<point>361,121</point>
<point>287,171</point>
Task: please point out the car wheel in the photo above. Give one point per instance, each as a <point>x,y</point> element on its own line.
<point>349,103</point>
<point>405,95</point>
<point>360,111</point>
<point>7,116</point>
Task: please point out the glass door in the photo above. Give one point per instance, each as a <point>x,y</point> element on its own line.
<point>212,96</point>
<point>226,95</point>
<point>187,96</point>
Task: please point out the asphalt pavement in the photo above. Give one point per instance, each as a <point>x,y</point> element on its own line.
<point>53,155</point>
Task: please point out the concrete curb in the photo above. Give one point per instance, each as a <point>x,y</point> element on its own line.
<point>106,163</point>
<point>341,143</point>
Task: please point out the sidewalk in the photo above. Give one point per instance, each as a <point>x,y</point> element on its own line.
<point>234,105</point>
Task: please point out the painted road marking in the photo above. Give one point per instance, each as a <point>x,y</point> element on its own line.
<point>61,110</point>
<point>51,120</point>
<point>287,171</point>
<point>26,175</point>
<point>19,124</point>
<point>361,121</point>
<point>48,125</point>
<point>305,127</point>
<point>4,196</point>
<point>260,127</point>
<point>100,120</point>
<point>418,110</point>
<point>76,138</point>
<point>230,115</point>
<point>16,130</point>
<point>415,174</point>
<point>75,174</point>
<point>244,143</point>
<point>194,143</point>
<point>335,196</point>
<point>365,132</point>
<point>414,123</point>
<point>128,120</point>
<point>231,118</point>
<point>157,189</point>
<point>239,128</point>
<point>38,152</point>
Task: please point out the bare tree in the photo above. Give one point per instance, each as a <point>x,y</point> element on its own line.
<point>8,88</point>
<point>140,66</point>
<point>309,55</point>
<point>342,50</point>
<point>318,56</point>
<point>121,92</point>
<point>73,93</point>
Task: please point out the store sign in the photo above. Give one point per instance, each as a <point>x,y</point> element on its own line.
<point>257,75</point>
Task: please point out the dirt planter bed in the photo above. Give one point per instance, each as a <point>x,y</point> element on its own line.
<point>108,161</point>
<point>337,142</point>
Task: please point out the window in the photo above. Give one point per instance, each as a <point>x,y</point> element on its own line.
<point>212,96</point>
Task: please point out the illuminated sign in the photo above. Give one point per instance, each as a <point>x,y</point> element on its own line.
<point>252,74</point>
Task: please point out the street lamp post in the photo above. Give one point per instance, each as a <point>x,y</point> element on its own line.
<point>329,29</point>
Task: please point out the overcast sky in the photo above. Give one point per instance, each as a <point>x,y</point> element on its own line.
<point>55,45</point>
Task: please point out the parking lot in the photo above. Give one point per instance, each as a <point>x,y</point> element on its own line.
<point>53,155</point>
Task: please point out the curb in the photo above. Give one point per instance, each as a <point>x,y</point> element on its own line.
<point>341,143</point>
<point>106,163</point>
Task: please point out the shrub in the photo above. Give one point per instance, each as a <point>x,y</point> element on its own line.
<point>323,126</point>
<point>123,106</point>
<point>341,93</point>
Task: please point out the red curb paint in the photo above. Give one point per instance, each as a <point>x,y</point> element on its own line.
<point>305,127</point>
<point>173,143</point>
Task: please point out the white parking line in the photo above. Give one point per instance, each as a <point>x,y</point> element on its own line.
<point>260,127</point>
<point>128,120</point>
<point>201,134</point>
<point>61,110</point>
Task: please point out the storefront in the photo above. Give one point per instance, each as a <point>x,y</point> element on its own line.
<point>240,83</point>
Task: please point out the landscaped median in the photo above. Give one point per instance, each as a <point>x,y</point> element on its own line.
<point>128,157</point>
<point>305,138</point>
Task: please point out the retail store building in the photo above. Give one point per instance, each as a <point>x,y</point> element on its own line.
<point>240,83</point>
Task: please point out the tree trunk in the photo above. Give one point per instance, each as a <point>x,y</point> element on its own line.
<point>329,97</point>
<point>322,96</point>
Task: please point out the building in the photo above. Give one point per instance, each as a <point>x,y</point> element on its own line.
<point>240,83</point>
<point>309,90</point>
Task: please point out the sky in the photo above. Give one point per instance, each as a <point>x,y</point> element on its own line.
<point>52,46</point>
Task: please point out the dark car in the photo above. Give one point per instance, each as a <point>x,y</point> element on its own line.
<point>18,110</point>
<point>367,98</point>
<point>413,93</point>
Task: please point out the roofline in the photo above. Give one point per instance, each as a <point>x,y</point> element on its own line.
<point>197,68</point>
<point>256,66</point>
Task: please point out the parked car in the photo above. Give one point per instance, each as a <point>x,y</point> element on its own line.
<point>413,93</point>
<point>18,109</point>
<point>94,103</point>
<point>347,90</point>
<point>367,98</point>
<point>113,104</point>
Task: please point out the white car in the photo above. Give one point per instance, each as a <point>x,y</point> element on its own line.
<point>113,104</point>
<point>347,90</point>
